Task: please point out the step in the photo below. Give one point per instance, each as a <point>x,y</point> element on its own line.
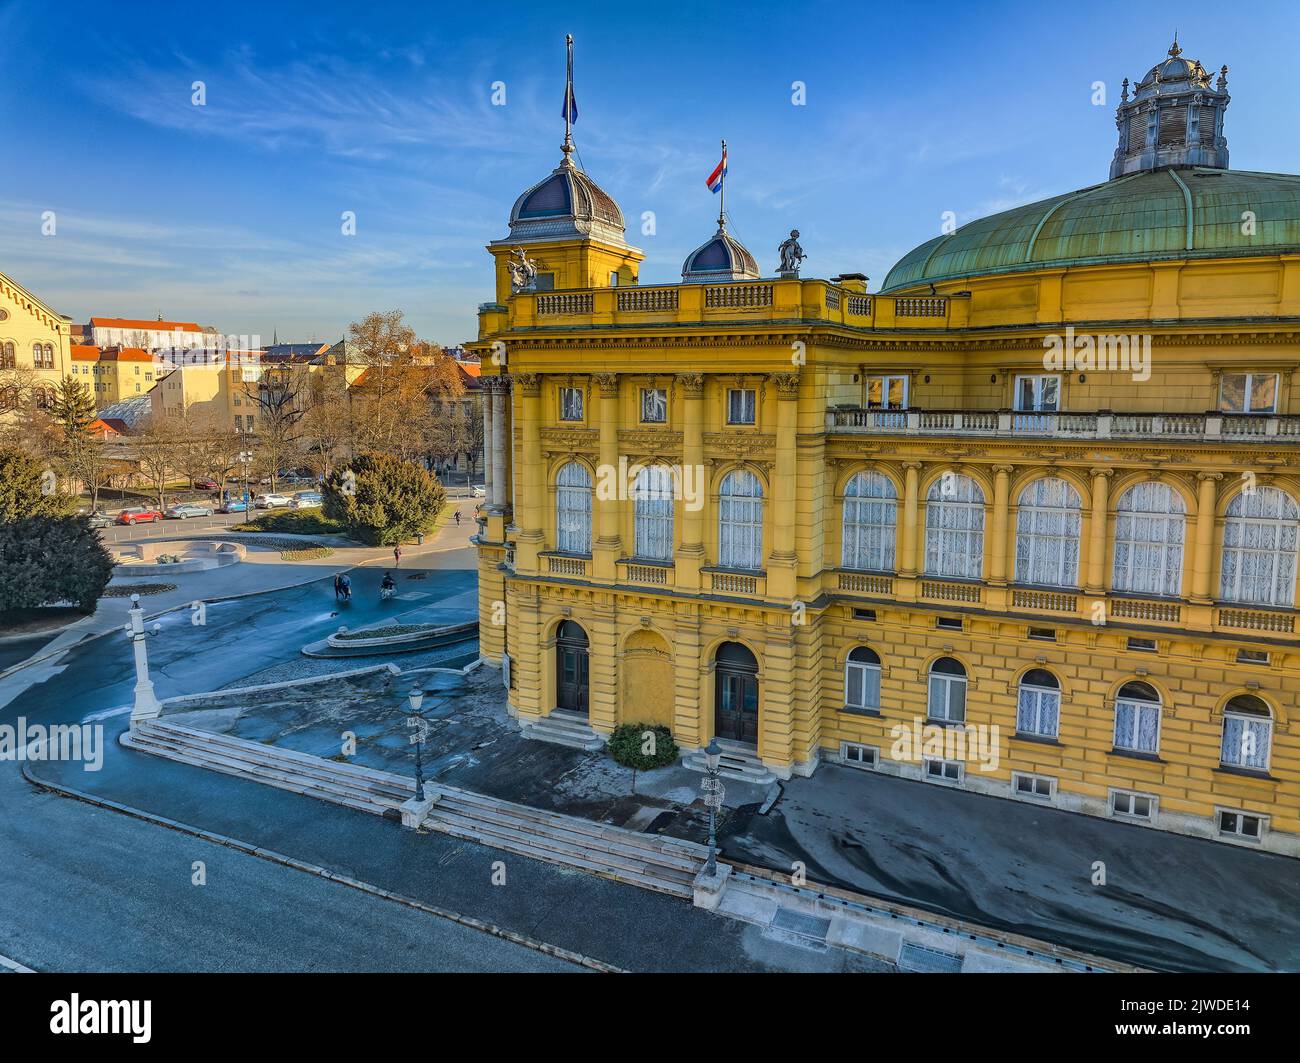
<point>563,734</point>
<point>626,845</point>
<point>658,842</point>
<point>569,716</point>
<point>743,768</point>
<point>242,769</point>
<point>602,867</point>
<point>380,784</point>
<point>373,776</point>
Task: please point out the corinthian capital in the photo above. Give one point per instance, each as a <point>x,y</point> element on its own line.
<point>691,383</point>
<point>787,384</point>
<point>608,384</point>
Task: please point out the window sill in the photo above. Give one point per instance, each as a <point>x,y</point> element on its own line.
<point>959,725</point>
<point>1134,754</point>
<point>1246,773</point>
<point>648,561</point>
<point>853,710</point>
<point>1038,740</point>
<point>761,573</point>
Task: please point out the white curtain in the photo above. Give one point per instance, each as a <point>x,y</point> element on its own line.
<point>1246,741</point>
<point>1038,711</point>
<point>573,509</point>
<point>1150,524</point>
<point>1048,519</point>
<point>954,528</point>
<point>652,495</point>
<point>740,521</point>
<point>870,513</point>
<point>1137,725</point>
<point>947,697</point>
<point>1259,548</point>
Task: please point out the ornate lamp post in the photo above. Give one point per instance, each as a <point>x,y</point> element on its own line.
<point>246,459</point>
<point>714,792</point>
<point>146,705</point>
<point>420,726</point>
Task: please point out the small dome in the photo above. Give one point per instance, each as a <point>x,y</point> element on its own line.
<point>722,258</point>
<point>1176,69</point>
<point>566,203</point>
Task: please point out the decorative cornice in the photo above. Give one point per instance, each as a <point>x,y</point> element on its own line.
<point>739,443</point>
<point>571,438</point>
<point>654,439</point>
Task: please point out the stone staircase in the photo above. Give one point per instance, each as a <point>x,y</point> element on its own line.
<point>650,861</point>
<point>738,762</point>
<point>358,787</point>
<point>564,728</point>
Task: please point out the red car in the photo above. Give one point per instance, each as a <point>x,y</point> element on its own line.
<point>203,483</point>
<point>139,515</point>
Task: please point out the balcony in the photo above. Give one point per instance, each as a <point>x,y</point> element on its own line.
<point>1196,427</point>
<point>744,584</point>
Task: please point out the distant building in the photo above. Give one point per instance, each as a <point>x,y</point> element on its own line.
<point>34,347</point>
<point>148,335</point>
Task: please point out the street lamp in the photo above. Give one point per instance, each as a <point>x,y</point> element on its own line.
<point>246,459</point>
<point>714,792</point>
<point>420,726</point>
<point>146,706</point>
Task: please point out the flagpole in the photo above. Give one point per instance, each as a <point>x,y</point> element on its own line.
<point>722,191</point>
<point>568,96</point>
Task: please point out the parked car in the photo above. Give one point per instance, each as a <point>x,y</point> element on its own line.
<point>306,500</point>
<point>233,505</point>
<point>203,483</point>
<point>271,501</point>
<point>99,519</point>
<point>185,510</point>
<point>480,491</point>
<point>139,515</point>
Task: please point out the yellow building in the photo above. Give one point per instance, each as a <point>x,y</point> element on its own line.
<point>34,347</point>
<point>1023,522</point>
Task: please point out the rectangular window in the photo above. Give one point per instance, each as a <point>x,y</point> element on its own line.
<point>1133,806</point>
<point>948,623</point>
<point>613,278</point>
<point>887,392</point>
<point>740,406</point>
<point>544,282</point>
<point>1248,393</point>
<point>1045,634</point>
<point>1241,825</point>
<point>1246,741</point>
<point>1039,786</point>
<point>654,405</point>
<point>1252,657</point>
<point>864,614</point>
<point>1137,725</point>
<point>1038,394</point>
<point>861,686</point>
<point>570,404</point>
<point>943,770</point>
<point>1142,645</point>
<point>856,755</point>
<point>947,698</point>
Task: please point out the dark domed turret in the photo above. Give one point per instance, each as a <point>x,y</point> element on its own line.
<point>722,258</point>
<point>566,203</point>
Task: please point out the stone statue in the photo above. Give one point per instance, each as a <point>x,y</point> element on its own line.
<point>791,253</point>
<point>523,271</point>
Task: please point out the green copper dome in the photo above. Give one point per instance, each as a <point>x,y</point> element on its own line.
<point>1159,214</point>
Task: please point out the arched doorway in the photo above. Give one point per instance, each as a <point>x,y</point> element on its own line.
<point>571,668</point>
<point>735,697</point>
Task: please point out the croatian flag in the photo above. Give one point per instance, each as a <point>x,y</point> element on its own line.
<point>715,178</point>
<point>570,110</point>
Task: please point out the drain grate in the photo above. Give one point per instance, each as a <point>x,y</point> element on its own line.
<point>794,922</point>
<point>931,961</point>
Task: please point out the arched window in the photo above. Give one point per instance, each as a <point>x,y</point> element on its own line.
<point>862,679</point>
<point>1259,548</point>
<point>947,691</point>
<point>8,398</point>
<point>8,355</point>
<point>1247,733</point>
<point>1047,534</point>
<point>954,528</point>
<point>1137,719</point>
<point>573,509</point>
<point>870,512</point>
<point>740,521</point>
<point>1038,711</point>
<point>1149,527</point>
<point>652,494</point>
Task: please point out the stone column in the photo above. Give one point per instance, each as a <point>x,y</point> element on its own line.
<point>1096,583</point>
<point>690,555</point>
<point>907,563</point>
<point>781,583</point>
<point>501,433</point>
<point>1207,498</point>
<point>488,385</point>
<point>530,519</point>
<point>607,545</point>
<point>1001,518</point>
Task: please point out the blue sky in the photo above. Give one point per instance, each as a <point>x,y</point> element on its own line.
<point>229,214</point>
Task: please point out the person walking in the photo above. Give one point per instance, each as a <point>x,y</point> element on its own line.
<point>458,518</point>
<point>397,556</point>
<point>338,586</point>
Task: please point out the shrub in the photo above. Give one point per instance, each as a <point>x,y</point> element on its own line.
<point>25,488</point>
<point>51,560</point>
<point>294,522</point>
<point>383,500</point>
<point>629,742</point>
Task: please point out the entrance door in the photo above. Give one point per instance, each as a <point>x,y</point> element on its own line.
<point>735,712</point>
<point>571,668</point>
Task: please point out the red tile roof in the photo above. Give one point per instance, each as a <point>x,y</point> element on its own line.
<point>126,354</point>
<point>144,326</point>
<point>84,353</point>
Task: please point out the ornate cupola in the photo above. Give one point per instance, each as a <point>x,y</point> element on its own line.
<point>564,205</point>
<point>722,258</point>
<point>1174,118</point>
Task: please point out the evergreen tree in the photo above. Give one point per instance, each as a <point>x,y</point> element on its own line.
<point>73,407</point>
<point>27,488</point>
<point>383,500</point>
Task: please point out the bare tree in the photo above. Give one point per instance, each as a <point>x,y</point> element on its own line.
<point>155,445</point>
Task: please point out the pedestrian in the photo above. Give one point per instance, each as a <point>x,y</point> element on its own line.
<point>397,556</point>
<point>338,586</point>
<point>458,518</point>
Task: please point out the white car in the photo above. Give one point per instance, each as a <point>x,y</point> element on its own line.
<point>306,500</point>
<point>480,491</point>
<point>271,501</point>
